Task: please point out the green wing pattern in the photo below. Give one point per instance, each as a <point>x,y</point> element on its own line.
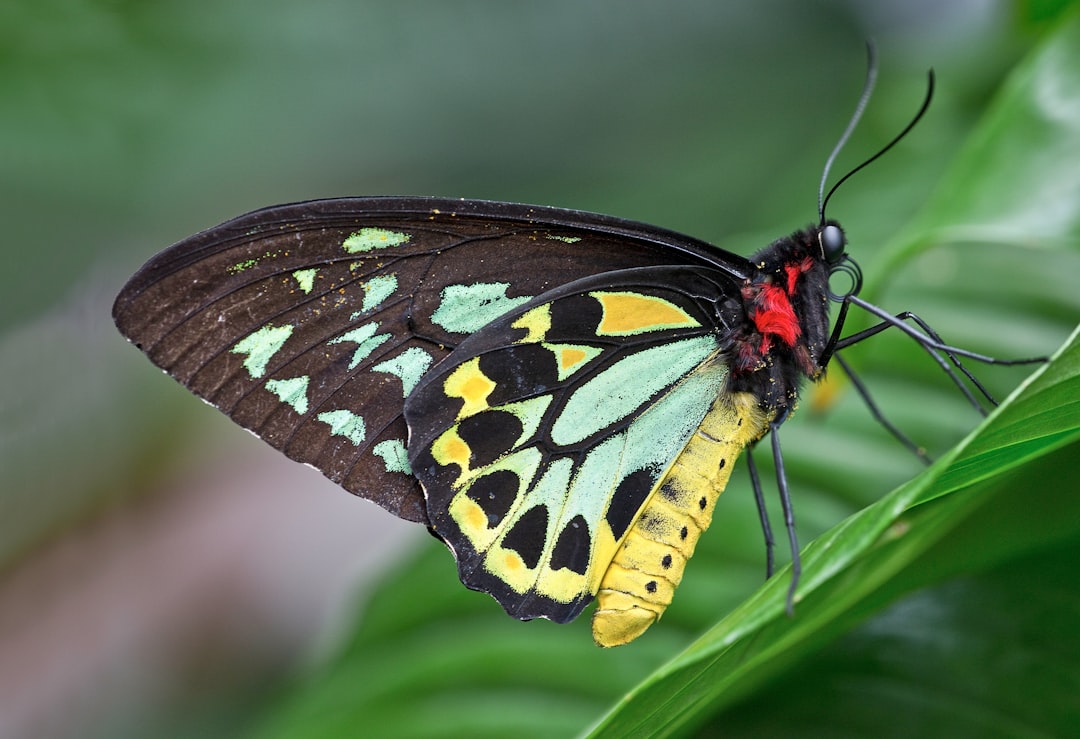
<point>540,438</point>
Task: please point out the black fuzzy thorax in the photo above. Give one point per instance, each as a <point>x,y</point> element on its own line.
<point>785,325</point>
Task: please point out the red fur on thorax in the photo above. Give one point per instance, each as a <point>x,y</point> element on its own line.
<point>774,314</point>
<point>794,270</point>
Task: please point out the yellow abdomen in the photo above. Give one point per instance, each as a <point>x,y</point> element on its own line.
<point>642,578</point>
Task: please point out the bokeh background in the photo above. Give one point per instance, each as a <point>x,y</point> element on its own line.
<point>162,572</point>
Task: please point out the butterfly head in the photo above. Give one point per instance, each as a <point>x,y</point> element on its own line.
<point>831,241</point>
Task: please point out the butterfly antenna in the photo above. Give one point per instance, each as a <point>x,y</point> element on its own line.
<point>864,98</point>
<point>891,144</point>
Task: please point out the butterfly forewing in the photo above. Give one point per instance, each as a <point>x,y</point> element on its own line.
<point>310,324</point>
<point>541,437</point>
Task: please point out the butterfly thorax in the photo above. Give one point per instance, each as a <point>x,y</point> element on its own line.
<point>786,325</point>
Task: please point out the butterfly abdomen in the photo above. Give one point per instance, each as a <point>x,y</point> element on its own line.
<point>640,581</point>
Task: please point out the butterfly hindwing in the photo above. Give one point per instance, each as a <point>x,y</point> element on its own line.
<point>310,324</point>
<point>541,437</point>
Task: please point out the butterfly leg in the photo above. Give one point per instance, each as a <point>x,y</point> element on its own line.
<point>932,343</point>
<point>763,514</point>
<point>875,411</point>
<point>789,511</point>
<point>785,503</point>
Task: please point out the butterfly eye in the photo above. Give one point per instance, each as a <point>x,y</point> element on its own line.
<point>831,239</point>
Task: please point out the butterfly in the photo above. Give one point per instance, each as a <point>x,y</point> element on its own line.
<point>559,396</point>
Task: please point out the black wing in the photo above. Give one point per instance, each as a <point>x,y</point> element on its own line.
<point>309,324</point>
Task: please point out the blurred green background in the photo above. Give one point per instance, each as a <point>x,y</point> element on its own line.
<point>164,572</point>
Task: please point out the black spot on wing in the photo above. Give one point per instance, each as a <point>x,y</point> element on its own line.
<point>495,493</point>
<point>629,496</point>
<point>520,371</point>
<point>528,535</point>
<point>574,317</point>
<point>572,547</point>
<point>489,435</point>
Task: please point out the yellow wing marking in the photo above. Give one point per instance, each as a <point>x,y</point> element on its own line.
<point>537,322</point>
<point>628,313</point>
<point>471,518</point>
<point>648,565</point>
<point>450,449</point>
<point>471,385</point>
<point>568,357</point>
<point>513,564</point>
